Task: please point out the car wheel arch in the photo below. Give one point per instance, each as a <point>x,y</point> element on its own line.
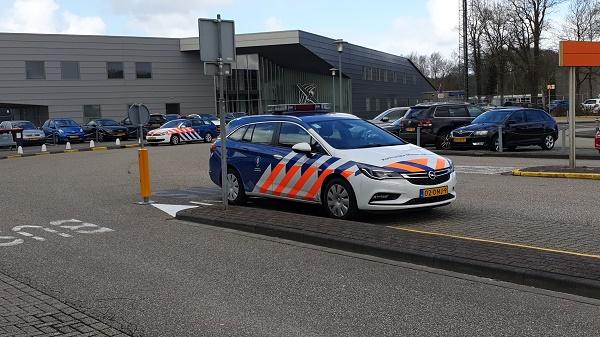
<point>328,179</point>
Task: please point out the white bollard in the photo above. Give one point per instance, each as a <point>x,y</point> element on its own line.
<point>20,150</point>
<point>44,148</point>
<point>118,142</point>
<point>68,146</point>
<point>92,144</point>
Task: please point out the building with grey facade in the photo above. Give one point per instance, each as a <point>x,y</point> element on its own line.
<point>86,77</point>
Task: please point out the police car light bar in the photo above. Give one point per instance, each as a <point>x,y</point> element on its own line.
<point>292,108</point>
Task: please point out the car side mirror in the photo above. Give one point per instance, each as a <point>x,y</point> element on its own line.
<point>302,148</point>
<point>385,119</point>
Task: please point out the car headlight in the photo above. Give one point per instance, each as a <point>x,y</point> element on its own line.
<point>451,167</point>
<point>379,173</point>
<point>80,130</point>
<point>481,133</point>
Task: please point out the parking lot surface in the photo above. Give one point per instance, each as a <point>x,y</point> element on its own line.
<point>157,276</point>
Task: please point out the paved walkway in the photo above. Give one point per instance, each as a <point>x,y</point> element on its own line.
<point>553,269</point>
<point>25,311</point>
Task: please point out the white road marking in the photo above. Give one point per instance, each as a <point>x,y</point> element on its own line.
<point>200,203</point>
<point>172,209</point>
<point>483,169</point>
<point>91,229</point>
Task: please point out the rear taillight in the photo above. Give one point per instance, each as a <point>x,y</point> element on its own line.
<point>213,148</point>
<point>425,122</point>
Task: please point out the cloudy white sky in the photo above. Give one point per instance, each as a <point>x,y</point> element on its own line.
<point>394,26</point>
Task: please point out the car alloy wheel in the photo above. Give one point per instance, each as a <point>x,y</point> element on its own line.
<point>443,142</point>
<point>175,140</point>
<point>338,200</point>
<point>208,137</point>
<point>233,187</point>
<point>548,142</point>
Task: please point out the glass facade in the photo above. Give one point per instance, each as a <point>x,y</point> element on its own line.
<point>256,82</point>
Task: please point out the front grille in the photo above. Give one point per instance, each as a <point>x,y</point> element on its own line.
<point>422,201</point>
<point>422,178</point>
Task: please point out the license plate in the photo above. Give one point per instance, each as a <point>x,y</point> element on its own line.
<point>73,137</point>
<point>460,140</point>
<point>411,129</point>
<point>434,192</point>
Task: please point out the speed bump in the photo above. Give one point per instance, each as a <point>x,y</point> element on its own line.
<point>567,175</point>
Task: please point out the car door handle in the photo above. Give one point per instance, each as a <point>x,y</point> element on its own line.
<point>245,148</point>
<point>278,157</point>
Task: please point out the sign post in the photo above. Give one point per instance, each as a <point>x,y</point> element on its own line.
<point>575,54</point>
<point>139,114</point>
<point>217,51</point>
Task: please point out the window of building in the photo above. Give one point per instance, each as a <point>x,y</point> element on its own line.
<point>395,101</point>
<point>404,78</point>
<point>395,77</point>
<point>364,74</point>
<point>367,104</point>
<point>69,70</point>
<point>377,104</point>
<point>370,74</point>
<point>143,70</point>
<point>91,112</point>
<point>35,70</point>
<point>389,103</point>
<point>414,79</point>
<point>172,108</point>
<point>385,75</point>
<point>114,70</point>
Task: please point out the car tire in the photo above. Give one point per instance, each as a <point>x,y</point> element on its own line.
<point>208,137</point>
<point>100,137</point>
<point>495,144</point>
<point>236,195</point>
<point>175,140</point>
<point>338,199</point>
<point>55,139</point>
<point>442,141</point>
<point>548,142</point>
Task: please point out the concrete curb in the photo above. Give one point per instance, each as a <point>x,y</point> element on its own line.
<point>567,175</point>
<point>502,272</point>
<point>86,149</point>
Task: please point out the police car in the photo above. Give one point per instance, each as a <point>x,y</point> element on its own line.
<point>183,130</point>
<point>346,164</point>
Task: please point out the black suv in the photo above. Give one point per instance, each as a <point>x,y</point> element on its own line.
<point>436,121</point>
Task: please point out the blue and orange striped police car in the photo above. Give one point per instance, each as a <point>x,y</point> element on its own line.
<point>305,153</point>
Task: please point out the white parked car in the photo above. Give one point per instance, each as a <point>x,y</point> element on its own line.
<point>592,104</point>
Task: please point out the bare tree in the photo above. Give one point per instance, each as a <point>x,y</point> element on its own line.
<point>582,23</point>
<point>529,20</point>
<point>475,32</point>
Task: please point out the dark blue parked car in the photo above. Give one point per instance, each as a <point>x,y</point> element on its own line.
<point>558,104</point>
<point>520,127</point>
<point>62,130</point>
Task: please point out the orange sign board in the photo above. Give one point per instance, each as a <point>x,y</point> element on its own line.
<point>579,54</point>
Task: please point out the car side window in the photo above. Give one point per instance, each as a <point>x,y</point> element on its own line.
<point>459,111</point>
<point>187,124</point>
<point>292,134</point>
<point>238,134</point>
<point>248,135</point>
<point>197,122</point>
<point>517,117</point>
<point>474,111</point>
<point>442,111</point>
<point>394,115</point>
<point>51,124</point>
<point>263,133</point>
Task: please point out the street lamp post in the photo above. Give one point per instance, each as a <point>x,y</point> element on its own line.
<point>333,70</point>
<point>339,44</point>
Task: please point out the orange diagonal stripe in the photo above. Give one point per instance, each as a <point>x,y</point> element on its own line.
<point>288,176</point>
<point>317,186</point>
<point>405,167</point>
<point>347,173</point>
<point>421,161</point>
<point>274,174</point>
<point>440,164</point>
<point>309,172</point>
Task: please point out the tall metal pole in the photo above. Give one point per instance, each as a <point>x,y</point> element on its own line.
<point>572,145</point>
<point>465,50</point>
<point>340,71</point>
<point>224,187</point>
<point>333,88</point>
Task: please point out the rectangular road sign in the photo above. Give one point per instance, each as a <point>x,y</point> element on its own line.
<point>209,40</point>
<point>579,54</point>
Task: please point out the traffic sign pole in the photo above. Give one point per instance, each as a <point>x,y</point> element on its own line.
<point>224,182</point>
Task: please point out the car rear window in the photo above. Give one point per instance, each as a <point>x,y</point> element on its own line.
<point>263,133</point>
<point>417,113</point>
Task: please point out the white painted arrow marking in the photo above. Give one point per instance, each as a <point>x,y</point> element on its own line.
<point>172,209</point>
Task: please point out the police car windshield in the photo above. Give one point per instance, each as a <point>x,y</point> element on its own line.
<point>345,134</point>
<point>172,124</point>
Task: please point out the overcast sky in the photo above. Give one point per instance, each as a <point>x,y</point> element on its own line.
<point>394,26</point>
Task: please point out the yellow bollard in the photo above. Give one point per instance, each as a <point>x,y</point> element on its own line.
<point>144,164</point>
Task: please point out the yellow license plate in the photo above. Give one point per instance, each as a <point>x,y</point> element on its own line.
<point>460,140</point>
<point>434,192</point>
<point>411,129</point>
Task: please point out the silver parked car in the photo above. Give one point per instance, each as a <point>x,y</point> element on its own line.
<point>390,115</point>
<point>30,133</point>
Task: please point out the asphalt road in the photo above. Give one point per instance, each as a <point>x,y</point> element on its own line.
<point>163,277</point>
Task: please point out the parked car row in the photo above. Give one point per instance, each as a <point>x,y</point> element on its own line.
<point>62,130</point>
<point>458,126</point>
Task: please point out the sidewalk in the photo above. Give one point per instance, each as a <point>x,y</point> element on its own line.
<point>544,268</point>
<point>25,311</point>
<point>529,152</point>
